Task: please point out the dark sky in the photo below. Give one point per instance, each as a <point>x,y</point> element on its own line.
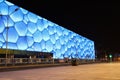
<point>96,20</point>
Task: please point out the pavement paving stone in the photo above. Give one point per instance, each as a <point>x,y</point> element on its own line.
<point>103,71</point>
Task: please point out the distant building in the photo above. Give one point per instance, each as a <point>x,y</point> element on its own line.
<point>30,32</point>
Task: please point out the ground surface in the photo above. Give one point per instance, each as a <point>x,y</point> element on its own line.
<point>102,71</point>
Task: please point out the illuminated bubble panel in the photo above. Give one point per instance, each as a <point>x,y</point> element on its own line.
<point>28,31</point>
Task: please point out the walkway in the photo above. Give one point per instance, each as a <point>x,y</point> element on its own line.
<point>103,71</point>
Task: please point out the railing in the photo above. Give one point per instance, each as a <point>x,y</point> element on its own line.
<point>15,61</point>
<point>26,61</point>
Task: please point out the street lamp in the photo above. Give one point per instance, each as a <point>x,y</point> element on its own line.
<point>76,55</point>
<point>7,28</point>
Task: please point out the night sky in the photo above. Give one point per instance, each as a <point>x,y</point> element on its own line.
<point>96,20</point>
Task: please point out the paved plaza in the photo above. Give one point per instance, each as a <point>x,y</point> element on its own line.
<point>101,71</point>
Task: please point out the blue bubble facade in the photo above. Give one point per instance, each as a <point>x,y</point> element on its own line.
<point>28,31</point>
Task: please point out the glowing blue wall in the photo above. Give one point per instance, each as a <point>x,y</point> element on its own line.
<point>28,31</point>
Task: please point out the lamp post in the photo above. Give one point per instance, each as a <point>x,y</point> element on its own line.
<point>7,28</point>
<point>76,55</point>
